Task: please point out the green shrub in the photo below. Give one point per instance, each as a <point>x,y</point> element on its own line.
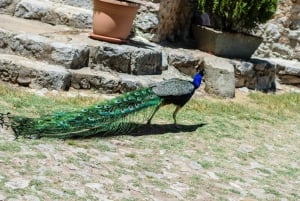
<point>237,15</point>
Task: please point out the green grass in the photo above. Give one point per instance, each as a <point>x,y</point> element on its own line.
<point>213,133</point>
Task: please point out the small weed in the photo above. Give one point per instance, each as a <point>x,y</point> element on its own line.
<point>130,155</point>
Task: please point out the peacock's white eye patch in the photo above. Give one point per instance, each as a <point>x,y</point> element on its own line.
<point>107,106</point>
<point>118,101</point>
<point>99,106</point>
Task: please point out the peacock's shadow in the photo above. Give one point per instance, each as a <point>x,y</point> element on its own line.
<point>159,129</point>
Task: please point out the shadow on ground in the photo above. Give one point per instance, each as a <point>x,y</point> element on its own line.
<point>159,129</point>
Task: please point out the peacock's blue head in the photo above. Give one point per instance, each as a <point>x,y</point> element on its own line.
<point>198,79</point>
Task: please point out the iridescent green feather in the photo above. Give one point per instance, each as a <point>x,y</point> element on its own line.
<point>116,116</point>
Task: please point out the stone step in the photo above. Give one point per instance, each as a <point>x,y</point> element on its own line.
<point>49,12</point>
<point>26,38</point>
<point>113,82</point>
<point>35,74</point>
<point>74,49</point>
<point>288,72</point>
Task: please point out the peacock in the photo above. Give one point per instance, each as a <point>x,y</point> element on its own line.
<point>118,115</point>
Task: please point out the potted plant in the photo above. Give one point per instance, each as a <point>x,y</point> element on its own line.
<point>113,19</point>
<point>229,25</point>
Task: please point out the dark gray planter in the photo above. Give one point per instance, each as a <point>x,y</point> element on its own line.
<point>225,44</point>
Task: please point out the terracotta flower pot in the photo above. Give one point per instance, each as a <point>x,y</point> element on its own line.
<point>113,19</point>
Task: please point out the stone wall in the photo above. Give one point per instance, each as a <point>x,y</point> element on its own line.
<point>282,33</point>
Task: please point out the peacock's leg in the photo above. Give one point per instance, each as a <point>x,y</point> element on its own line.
<point>175,113</point>
<point>156,109</point>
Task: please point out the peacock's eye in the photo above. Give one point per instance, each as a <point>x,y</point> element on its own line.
<point>130,107</point>
<point>118,101</point>
<point>91,119</point>
<point>99,106</point>
<point>107,106</point>
<point>131,98</point>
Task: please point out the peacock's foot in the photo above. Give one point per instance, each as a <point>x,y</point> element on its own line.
<point>177,126</point>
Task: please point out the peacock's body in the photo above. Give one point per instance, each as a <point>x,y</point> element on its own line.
<point>115,116</point>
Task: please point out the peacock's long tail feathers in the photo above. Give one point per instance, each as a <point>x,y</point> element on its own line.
<point>115,116</point>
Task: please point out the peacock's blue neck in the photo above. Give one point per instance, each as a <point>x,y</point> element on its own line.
<point>197,80</point>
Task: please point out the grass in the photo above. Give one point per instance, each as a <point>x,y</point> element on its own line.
<point>224,137</point>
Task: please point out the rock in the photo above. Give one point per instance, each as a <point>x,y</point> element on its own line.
<point>77,3</point>
<point>219,77</point>
<point>96,187</point>
<point>56,192</point>
<point>294,35</point>
<point>23,81</point>
<point>258,74</point>
<point>246,148</point>
<point>115,57</point>
<point>2,197</point>
<point>17,183</point>
<point>70,55</point>
<point>5,38</point>
<point>8,6</point>
<point>73,56</point>
<point>258,193</point>
<point>212,175</point>
<point>32,9</point>
<point>288,72</point>
<point>145,24</point>
<point>181,187</point>
<point>129,59</point>
<point>283,50</point>
<point>30,45</point>
<point>244,74</point>
<point>37,74</point>
<point>184,61</point>
<point>273,31</point>
<point>146,62</point>
<point>244,90</point>
<point>5,3</point>
<point>86,78</point>
<point>265,72</point>
<point>51,13</point>
<point>146,21</point>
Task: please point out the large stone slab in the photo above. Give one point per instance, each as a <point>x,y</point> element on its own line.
<point>113,82</point>
<point>288,71</point>
<point>129,58</point>
<point>70,55</point>
<point>219,77</point>
<point>26,72</point>
<point>87,78</point>
<point>256,74</point>
<point>8,6</point>
<point>185,61</point>
<point>54,13</point>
